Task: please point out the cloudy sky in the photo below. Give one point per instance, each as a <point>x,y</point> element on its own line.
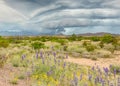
<point>60,16</point>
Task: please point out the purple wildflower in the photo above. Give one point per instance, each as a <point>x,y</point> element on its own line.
<point>106,70</point>
<point>41,54</point>
<point>64,65</point>
<point>75,80</point>
<point>93,68</point>
<point>54,54</point>
<point>89,77</point>
<point>114,72</point>
<point>66,56</point>
<point>36,55</point>
<point>49,73</point>
<point>103,83</point>
<point>23,57</point>
<point>81,75</point>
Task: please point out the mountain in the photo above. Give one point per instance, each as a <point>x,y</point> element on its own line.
<point>97,34</point>
<point>34,33</point>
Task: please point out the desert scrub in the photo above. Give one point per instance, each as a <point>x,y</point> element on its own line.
<point>101,44</point>
<point>19,61</point>
<point>21,77</point>
<point>107,56</point>
<point>94,58</point>
<point>90,48</point>
<point>3,60</point>
<point>107,38</point>
<point>115,68</point>
<point>37,45</point>
<point>4,43</point>
<point>14,81</point>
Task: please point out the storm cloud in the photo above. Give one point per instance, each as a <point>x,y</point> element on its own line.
<point>60,16</point>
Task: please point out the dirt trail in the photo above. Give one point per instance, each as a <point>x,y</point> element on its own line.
<point>101,62</point>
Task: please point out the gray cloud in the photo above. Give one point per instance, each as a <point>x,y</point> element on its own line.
<point>54,16</point>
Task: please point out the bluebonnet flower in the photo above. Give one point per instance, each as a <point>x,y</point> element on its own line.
<point>66,56</point>
<point>81,75</point>
<point>64,65</point>
<point>37,55</point>
<point>103,83</point>
<point>49,73</point>
<point>23,57</point>
<point>75,80</point>
<point>106,70</point>
<point>41,54</point>
<point>54,54</point>
<point>93,68</point>
<point>114,72</point>
<point>89,77</point>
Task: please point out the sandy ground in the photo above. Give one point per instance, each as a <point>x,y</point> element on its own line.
<point>7,73</point>
<point>103,62</point>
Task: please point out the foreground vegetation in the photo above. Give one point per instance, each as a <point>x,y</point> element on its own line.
<point>41,60</point>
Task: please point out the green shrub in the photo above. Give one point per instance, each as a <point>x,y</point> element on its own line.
<point>65,47</point>
<point>4,43</point>
<point>85,44</point>
<point>90,48</point>
<point>14,81</point>
<point>61,41</point>
<point>21,77</point>
<point>38,45</point>
<point>95,38</point>
<point>107,56</point>
<point>107,38</point>
<point>73,37</point>
<point>94,58</point>
<point>101,44</point>
<point>115,67</point>
<point>3,59</point>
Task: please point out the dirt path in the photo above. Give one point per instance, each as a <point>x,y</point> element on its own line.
<point>100,62</point>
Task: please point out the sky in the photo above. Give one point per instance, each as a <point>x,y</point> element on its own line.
<point>60,16</point>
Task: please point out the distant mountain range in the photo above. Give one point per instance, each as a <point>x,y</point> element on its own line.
<point>97,34</point>
<point>33,33</point>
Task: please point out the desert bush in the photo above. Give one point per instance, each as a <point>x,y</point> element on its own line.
<point>73,37</point>
<point>3,59</point>
<point>14,81</point>
<point>4,43</point>
<point>110,48</point>
<point>90,48</point>
<point>65,47</point>
<point>38,45</point>
<point>85,43</point>
<point>107,38</point>
<point>95,38</point>
<point>21,77</point>
<point>94,58</point>
<point>61,41</point>
<point>106,56</point>
<point>101,44</point>
<point>115,68</point>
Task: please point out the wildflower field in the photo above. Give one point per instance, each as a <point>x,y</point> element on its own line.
<point>43,61</point>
